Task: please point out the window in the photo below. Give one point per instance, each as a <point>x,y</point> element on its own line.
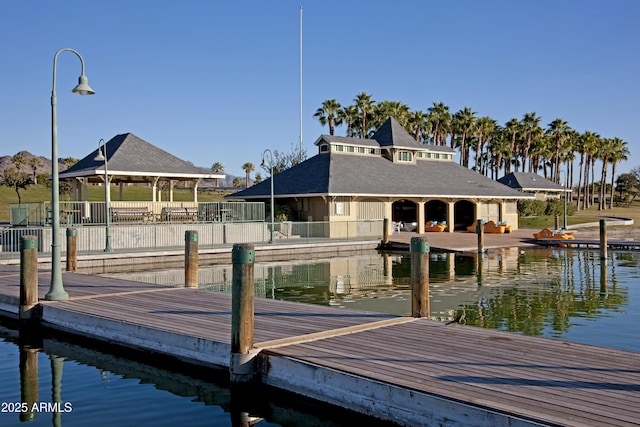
<point>339,147</point>
<point>324,148</point>
<point>405,156</point>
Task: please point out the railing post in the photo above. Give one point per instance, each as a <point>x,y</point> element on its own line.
<point>191,259</point>
<point>242,306</point>
<point>419,277</point>
<point>480,231</point>
<point>603,239</point>
<point>72,249</point>
<point>28,276</point>
<point>385,231</point>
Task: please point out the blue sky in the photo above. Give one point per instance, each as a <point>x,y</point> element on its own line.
<point>218,81</point>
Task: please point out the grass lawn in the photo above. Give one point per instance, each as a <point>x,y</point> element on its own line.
<point>40,193</point>
<point>583,216</point>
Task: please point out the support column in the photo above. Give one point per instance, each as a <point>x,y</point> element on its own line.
<point>451,216</point>
<point>419,277</point>
<point>421,217</point>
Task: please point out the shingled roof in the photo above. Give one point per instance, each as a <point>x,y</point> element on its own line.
<point>530,182</point>
<point>130,158</point>
<point>336,174</point>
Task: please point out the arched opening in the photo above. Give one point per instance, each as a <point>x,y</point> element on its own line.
<point>463,214</point>
<point>436,210</point>
<point>405,212</point>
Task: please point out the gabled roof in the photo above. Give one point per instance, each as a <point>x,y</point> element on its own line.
<point>129,156</point>
<point>530,182</point>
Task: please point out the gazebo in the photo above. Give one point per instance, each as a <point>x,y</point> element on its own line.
<point>132,160</point>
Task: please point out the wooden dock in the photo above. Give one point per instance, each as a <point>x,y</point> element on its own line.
<point>410,371</point>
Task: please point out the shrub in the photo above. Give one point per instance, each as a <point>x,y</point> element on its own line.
<point>531,207</point>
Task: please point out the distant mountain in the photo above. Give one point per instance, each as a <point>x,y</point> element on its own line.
<point>5,162</point>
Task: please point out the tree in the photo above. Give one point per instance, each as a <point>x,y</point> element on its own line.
<point>463,122</point>
<point>365,106</point>
<point>237,182</point>
<point>257,179</point>
<point>283,161</point>
<point>248,168</point>
<point>440,120</point>
<point>417,124</point>
<point>217,168</point>
<point>485,126</point>
<point>531,130</point>
<point>18,161</point>
<point>628,186</point>
<point>35,163</point>
<point>619,153</point>
<point>349,115</point>
<point>69,161</point>
<point>327,114</point>
<point>15,179</point>
<point>558,130</point>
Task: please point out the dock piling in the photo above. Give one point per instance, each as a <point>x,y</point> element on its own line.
<point>72,249</point>
<point>419,277</point>
<point>242,314</point>
<point>28,276</point>
<point>603,239</point>
<point>480,231</point>
<point>191,259</point>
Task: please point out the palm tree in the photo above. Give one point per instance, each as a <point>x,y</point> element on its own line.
<point>395,109</point>
<point>620,153</point>
<point>440,119</point>
<point>531,130</point>
<point>417,124</point>
<point>500,149</point>
<point>217,168</point>
<point>463,122</point>
<point>18,161</point>
<point>35,163</point>
<point>328,114</point>
<point>512,130</point>
<point>558,130</point>
<point>349,115</point>
<point>485,126</point>
<point>248,168</point>
<point>365,106</point>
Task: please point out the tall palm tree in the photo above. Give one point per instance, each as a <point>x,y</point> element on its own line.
<point>248,168</point>
<point>485,126</point>
<point>417,124</point>
<point>395,109</point>
<point>18,161</point>
<point>531,130</point>
<point>620,153</point>
<point>500,149</point>
<point>463,122</point>
<point>217,168</point>
<point>349,115</point>
<point>440,119</point>
<point>327,114</point>
<point>365,106</point>
<point>512,130</point>
<point>605,150</point>
<point>558,130</point>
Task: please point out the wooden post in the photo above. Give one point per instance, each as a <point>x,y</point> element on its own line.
<point>191,259</point>
<point>557,222</point>
<point>242,300</point>
<point>28,276</point>
<point>603,239</point>
<point>480,231</point>
<point>385,231</point>
<point>72,249</point>
<point>419,277</point>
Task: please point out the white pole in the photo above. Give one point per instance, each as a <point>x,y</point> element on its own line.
<point>301,83</point>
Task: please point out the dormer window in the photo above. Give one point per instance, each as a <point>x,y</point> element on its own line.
<point>405,156</point>
<point>324,148</point>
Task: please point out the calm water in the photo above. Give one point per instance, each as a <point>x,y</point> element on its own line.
<point>561,294</point>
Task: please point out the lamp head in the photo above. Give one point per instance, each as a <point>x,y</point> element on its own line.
<point>83,87</point>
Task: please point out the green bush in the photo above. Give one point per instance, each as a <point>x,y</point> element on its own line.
<point>532,207</point>
<point>556,207</point>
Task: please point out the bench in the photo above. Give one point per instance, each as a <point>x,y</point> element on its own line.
<point>130,214</point>
<point>179,214</point>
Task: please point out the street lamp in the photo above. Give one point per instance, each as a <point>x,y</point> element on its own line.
<point>56,290</point>
<point>107,196</point>
<point>264,164</point>
<point>564,227</point>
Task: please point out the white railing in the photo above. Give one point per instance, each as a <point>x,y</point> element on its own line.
<point>152,236</point>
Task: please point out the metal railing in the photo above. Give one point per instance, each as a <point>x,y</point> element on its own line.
<point>94,213</point>
<point>152,236</point>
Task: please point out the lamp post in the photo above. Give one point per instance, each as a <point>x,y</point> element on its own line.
<point>107,196</point>
<point>56,290</point>
<point>264,164</point>
<point>564,224</point>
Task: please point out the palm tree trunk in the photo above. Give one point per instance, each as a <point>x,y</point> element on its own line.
<point>613,174</point>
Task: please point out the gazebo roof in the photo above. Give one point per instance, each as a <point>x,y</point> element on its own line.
<point>527,181</point>
<point>132,159</point>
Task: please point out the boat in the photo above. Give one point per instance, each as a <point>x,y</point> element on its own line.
<point>492,227</point>
<point>435,226</point>
<point>547,233</point>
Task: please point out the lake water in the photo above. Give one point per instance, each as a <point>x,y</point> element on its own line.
<point>556,293</point>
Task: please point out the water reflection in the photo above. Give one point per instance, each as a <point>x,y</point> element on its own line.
<point>89,387</point>
<point>532,291</point>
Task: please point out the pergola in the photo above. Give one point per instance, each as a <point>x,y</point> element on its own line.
<point>132,160</point>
